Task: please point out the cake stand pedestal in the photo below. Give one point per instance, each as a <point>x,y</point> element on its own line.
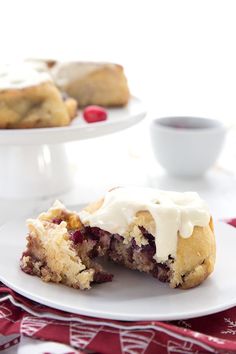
<point>34,163</point>
<point>34,171</point>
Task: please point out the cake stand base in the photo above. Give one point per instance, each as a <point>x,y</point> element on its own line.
<point>34,171</point>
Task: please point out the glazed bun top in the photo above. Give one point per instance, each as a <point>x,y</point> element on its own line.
<point>22,75</point>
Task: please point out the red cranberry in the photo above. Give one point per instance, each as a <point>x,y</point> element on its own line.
<point>93,114</point>
<point>102,277</point>
<point>56,221</point>
<point>130,254</point>
<point>232,222</point>
<point>77,237</point>
<point>149,237</point>
<point>93,253</point>
<point>93,233</point>
<point>134,244</point>
<point>161,271</point>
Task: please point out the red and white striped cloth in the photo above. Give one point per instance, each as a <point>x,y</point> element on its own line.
<point>22,317</point>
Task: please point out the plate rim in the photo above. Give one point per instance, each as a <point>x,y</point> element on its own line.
<point>121,316</point>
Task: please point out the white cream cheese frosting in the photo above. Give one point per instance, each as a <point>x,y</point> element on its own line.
<point>18,76</point>
<point>64,73</point>
<point>174,214</point>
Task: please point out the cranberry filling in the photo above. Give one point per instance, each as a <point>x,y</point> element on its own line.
<point>161,272</point>
<point>134,244</point>
<point>93,233</point>
<point>130,252</point>
<point>26,254</point>
<point>94,253</point>
<point>29,267</point>
<point>102,277</point>
<point>145,254</point>
<point>77,237</point>
<point>57,221</point>
<point>109,244</point>
<point>102,243</point>
<point>149,250</point>
<point>148,236</point>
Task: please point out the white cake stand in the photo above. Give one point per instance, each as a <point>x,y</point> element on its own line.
<point>34,163</point>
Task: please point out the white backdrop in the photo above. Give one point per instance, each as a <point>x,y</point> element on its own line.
<point>179,57</point>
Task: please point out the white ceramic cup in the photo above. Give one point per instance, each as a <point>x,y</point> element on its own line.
<point>187,146</point>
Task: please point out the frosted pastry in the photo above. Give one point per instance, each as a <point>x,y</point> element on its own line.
<point>169,235</point>
<point>91,83</point>
<point>29,99</point>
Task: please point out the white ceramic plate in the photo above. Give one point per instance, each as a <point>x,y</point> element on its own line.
<point>118,119</point>
<point>131,295</point>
